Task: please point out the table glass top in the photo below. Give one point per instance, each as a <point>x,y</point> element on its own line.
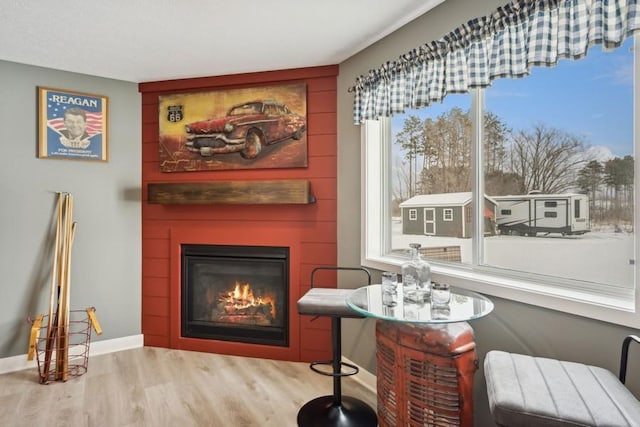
<point>464,305</point>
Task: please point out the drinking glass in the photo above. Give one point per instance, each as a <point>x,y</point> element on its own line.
<point>440,293</point>
<point>389,288</point>
<point>440,311</point>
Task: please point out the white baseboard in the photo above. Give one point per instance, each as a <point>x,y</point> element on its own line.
<point>18,363</point>
<point>116,344</point>
<point>364,377</point>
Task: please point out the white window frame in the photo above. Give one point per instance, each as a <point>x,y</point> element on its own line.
<point>376,236</point>
<point>413,214</point>
<point>446,211</point>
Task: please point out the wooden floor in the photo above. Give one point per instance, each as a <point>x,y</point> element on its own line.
<point>160,387</point>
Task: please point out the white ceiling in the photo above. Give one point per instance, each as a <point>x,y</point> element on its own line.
<point>151,40</point>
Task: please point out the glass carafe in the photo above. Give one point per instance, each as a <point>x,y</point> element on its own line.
<point>416,277</point>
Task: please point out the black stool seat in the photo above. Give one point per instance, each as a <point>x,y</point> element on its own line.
<point>334,410</point>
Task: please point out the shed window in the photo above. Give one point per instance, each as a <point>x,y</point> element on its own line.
<point>413,214</point>
<point>447,214</point>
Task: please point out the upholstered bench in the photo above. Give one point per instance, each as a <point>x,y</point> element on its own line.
<point>536,391</point>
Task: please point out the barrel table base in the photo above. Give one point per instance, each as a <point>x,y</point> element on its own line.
<point>425,374</point>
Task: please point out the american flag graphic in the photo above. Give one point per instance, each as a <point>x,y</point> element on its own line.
<point>94,123</point>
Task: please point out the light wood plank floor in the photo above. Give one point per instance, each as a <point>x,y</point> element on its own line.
<point>161,387</point>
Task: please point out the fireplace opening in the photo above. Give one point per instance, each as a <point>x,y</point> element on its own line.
<point>235,293</point>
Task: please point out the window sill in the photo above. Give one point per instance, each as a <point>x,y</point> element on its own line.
<point>619,310</point>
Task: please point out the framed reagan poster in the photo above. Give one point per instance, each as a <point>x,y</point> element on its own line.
<point>245,128</point>
<point>72,125</point>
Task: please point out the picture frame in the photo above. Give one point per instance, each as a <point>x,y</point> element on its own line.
<point>72,125</point>
<point>255,127</point>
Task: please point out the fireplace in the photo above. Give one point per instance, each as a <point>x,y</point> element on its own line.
<point>235,293</point>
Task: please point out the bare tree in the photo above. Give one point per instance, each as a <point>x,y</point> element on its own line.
<point>499,183</point>
<point>547,159</point>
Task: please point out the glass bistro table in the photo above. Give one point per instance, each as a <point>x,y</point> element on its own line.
<point>425,356</point>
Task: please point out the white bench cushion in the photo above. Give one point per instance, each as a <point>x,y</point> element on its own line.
<point>327,302</point>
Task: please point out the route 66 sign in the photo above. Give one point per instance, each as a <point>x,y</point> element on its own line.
<point>174,113</point>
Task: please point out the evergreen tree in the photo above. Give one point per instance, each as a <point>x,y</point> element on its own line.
<point>589,180</point>
<point>410,139</point>
<point>450,151</point>
<point>618,175</point>
<point>494,137</point>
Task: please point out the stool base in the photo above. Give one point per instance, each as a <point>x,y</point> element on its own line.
<point>323,412</point>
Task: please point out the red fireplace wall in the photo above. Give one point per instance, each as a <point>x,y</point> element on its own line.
<point>312,227</point>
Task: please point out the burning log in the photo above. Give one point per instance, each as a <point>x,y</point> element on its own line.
<point>242,302</point>
<point>263,309</point>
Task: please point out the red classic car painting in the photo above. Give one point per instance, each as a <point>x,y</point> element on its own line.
<point>246,129</point>
<point>256,127</point>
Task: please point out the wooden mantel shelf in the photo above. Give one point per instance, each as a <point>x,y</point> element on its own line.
<point>288,191</point>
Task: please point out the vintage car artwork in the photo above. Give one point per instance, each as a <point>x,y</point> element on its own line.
<point>246,128</point>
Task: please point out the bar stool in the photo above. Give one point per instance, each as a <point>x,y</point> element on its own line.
<point>334,410</point>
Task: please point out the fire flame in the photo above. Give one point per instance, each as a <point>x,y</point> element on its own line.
<point>242,297</point>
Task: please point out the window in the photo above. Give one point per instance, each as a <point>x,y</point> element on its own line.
<point>413,214</point>
<point>523,243</point>
<point>422,173</point>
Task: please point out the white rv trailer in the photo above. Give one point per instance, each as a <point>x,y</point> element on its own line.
<point>529,214</point>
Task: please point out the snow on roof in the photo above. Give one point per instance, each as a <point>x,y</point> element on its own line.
<point>538,196</point>
<point>444,199</point>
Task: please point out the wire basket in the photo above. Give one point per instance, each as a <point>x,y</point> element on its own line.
<point>63,356</point>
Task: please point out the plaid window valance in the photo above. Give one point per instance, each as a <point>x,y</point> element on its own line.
<point>517,36</point>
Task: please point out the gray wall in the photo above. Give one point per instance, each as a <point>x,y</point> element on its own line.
<point>105,270</point>
<point>512,326</point>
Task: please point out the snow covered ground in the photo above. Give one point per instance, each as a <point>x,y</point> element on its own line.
<point>597,256</point>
